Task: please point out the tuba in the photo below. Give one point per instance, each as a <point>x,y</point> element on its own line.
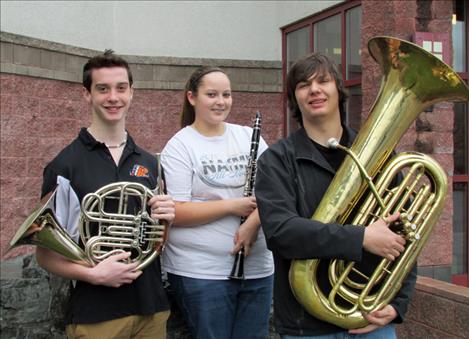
<point>364,189</point>
<point>114,219</point>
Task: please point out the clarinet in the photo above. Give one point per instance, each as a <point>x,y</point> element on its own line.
<point>159,190</point>
<point>237,272</point>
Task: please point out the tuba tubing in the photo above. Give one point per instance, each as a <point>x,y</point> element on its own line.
<point>413,80</point>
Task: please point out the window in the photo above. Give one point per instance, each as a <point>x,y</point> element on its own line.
<point>460,263</point>
<point>459,36</point>
<point>353,57</point>
<point>328,39</point>
<point>331,32</point>
<point>297,47</point>
<point>298,42</point>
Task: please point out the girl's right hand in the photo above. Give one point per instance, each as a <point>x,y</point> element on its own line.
<point>243,207</point>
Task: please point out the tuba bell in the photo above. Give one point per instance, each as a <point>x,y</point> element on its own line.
<point>114,219</point>
<point>364,189</point>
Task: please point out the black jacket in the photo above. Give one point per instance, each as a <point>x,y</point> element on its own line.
<point>292,177</point>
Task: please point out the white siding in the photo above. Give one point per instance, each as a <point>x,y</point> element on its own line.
<point>246,30</point>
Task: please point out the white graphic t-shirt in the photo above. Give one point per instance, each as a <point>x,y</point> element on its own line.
<point>200,168</point>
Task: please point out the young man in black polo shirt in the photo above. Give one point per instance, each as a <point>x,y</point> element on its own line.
<point>292,177</point>
<point>111,299</point>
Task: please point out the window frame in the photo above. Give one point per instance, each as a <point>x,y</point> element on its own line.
<point>463,279</point>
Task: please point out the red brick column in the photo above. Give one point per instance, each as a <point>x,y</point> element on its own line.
<point>432,131</point>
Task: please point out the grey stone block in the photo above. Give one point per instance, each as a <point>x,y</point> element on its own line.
<point>53,60</point>
<point>238,76</point>
<point>425,271</point>
<point>66,76</point>
<point>24,300</point>
<point>442,273</point>
<point>28,56</point>
<point>40,72</point>
<point>15,69</point>
<point>6,52</point>
<point>12,269</point>
<point>172,73</point>
<point>45,59</point>
<point>33,304</point>
<point>272,88</point>
<point>270,76</point>
<point>255,76</point>
<point>143,72</point>
<point>74,64</point>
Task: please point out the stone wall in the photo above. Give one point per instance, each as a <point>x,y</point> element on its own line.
<point>33,303</point>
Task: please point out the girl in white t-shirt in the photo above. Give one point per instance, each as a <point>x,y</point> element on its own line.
<point>205,167</point>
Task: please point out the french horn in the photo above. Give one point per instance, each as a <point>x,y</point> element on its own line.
<point>110,225</point>
<point>363,191</point>
<point>114,219</point>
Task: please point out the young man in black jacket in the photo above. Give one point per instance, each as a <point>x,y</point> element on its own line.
<point>292,177</point>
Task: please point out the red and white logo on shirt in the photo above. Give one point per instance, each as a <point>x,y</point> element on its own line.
<point>139,171</point>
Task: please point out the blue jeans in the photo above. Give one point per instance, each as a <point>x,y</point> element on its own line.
<point>386,332</point>
<point>224,309</point>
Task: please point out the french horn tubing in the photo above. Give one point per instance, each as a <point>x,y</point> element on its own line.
<point>114,219</point>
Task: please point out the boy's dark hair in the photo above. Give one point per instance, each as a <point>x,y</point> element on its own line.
<point>304,68</point>
<point>192,85</point>
<point>107,59</point>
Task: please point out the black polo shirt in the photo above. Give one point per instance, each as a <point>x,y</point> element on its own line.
<point>89,166</point>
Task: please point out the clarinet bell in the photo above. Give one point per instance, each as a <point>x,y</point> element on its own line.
<point>237,272</point>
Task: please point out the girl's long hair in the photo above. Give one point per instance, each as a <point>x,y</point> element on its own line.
<point>192,85</point>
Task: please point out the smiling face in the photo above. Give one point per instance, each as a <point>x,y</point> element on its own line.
<point>110,95</point>
<point>212,102</point>
<point>318,97</point>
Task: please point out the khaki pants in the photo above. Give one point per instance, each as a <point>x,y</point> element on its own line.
<point>134,326</point>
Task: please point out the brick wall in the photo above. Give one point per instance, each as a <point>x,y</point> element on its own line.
<point>437,310</point>
<point>42,110</point>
